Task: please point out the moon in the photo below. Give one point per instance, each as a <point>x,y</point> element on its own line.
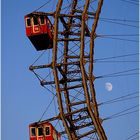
<point>108,86</point>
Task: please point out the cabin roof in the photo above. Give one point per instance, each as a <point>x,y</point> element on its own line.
<point>38,14</point>
<point>39,123</point>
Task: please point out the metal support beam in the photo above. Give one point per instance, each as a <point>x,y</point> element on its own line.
<point>54,63</point>
<point>88,13</point>
<point>72,87</point>
<point>74,57</point>
<point>86,134</point>
<point>77,103</point>
<point>100,129</point>
<point>62,81</point>
<point>93,117</point>
<point>79,127</point>
<point>76,111</point>
<point>81,118</point>
<point>68,39</point>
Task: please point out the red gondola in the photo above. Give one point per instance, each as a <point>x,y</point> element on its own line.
<point>43,131</point>
<point>39,30</point>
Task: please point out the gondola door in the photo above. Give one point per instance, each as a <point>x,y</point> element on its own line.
<point>40,135</point>
<point>36,26</point>
<point>33,133</point>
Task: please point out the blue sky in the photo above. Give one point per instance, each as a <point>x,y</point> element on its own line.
<point>24,100</point>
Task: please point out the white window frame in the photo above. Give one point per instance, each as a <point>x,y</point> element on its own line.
<point>38,132</point>
<point>49,130</point>
<point>44,21</point>
<point>30,21</point>
<point>31,132</point>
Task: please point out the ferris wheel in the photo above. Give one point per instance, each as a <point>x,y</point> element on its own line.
<point>66,36</point>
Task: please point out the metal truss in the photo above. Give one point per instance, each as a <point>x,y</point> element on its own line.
<point>73,75</point>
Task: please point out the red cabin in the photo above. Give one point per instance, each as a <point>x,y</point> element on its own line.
<point>39,30</point>
<point>43,131</point>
